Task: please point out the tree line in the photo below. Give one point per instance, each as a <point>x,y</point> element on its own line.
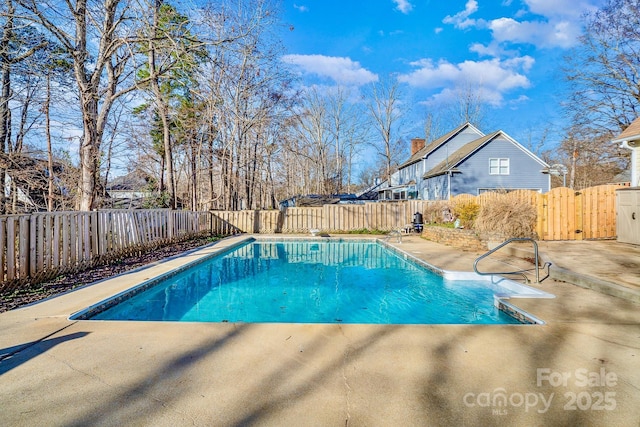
<point>198,99</point>
<point>197,103</point>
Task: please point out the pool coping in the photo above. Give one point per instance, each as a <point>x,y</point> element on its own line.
<point>209,251</point>
<point>88,312</point>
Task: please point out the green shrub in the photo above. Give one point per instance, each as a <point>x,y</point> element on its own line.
<point>466,212</point>
<point>366,231</point>
<point>441,224</point>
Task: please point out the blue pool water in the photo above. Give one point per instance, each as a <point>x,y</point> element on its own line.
<point>312,282</point>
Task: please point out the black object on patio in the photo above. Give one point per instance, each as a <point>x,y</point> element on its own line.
<point>417,222</point>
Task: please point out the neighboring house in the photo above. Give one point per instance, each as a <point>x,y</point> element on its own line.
<point>129,191</point>
<point>26,183</point>
<point>630,138</point>
<point>316,200</point>
<point>466,160</point>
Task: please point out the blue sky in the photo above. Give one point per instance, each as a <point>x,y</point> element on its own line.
<point>511,50</point>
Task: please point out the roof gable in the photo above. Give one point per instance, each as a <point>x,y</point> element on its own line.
<point>435,144</point>
<point>631,133</point>
<point>469,149</point>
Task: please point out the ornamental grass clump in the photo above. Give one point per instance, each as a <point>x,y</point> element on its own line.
<point>507,216</point>
<point>437,212</point>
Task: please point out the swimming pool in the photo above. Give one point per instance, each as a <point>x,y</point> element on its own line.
<point>313,281</point>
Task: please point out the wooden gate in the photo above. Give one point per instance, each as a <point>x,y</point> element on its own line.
<point>565,214</point>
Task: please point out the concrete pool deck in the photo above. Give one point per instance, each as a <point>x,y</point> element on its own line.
<point>581,368</point>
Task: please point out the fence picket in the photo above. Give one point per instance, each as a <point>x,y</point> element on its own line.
<point>3,245</point>
<point>23,237</point>
<point>11,248</point>
<point>52,223</point>
<point>39,245</point>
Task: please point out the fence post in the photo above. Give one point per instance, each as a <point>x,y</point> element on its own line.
<point>542,216</point>
<point>32,245</point>
<point>24,246</point>
<point>170,224</point>
<point>3,246</point>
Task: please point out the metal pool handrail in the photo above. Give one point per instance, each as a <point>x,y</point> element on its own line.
<point>520,272</point>
<point>394,233</point>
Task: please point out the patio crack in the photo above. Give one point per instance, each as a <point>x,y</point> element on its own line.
<point>345,379</point>
<point>73,368</point>
<point>158,400</point>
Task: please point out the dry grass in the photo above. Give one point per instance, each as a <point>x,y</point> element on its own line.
<point>438,212</point>
<point>506,216</point>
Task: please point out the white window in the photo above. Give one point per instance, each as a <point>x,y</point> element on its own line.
<point>498,166</point>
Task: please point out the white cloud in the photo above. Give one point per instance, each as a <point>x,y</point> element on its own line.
<point>461,19</point>
<point>558,8</point>
<point>561,33</point>
<point>519,100</point>
<point>438,30</point>
<point>453,95</point>
<point>521,62</point>
<point>341,70</point>
<point>491,78</point>
<point>403,6</point>
<point>492,49</point>
<point>557,23</point>
<point>301,8</point>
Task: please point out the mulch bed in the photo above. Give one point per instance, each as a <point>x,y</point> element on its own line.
<point>32,293</point>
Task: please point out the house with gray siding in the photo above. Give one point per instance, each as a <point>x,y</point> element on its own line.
<point>466,160</point>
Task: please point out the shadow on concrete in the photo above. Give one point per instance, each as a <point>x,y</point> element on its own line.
<point>277,378</point>
<point>14,356</point>
<point>128,402</point>
<point>275,390</point>
<point>543,347</point>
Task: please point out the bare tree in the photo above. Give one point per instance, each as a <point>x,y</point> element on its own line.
<point>96,47</point>
<point>604,76</point>
<point>312,138</point>
<point>246,91</point>
<point>383,104</point>
<point>604,70</point>
<point>433,127</point>
<point>468,106</point>
<point>13,49</point>
<point>349,132</point>
<point>587,163</point>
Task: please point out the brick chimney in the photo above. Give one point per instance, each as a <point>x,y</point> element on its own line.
<point>417,144</point>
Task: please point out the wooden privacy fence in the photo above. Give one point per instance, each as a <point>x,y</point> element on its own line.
<point>565,214</point>
<point>329,218</point>
<point>37,246</point>
<point>562,214</point>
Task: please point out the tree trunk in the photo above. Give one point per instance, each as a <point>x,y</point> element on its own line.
<point>47,129</point>
<point>89,147</point>
<point>4,124</point>
<point>7,34</point>
<point>162,108</point>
